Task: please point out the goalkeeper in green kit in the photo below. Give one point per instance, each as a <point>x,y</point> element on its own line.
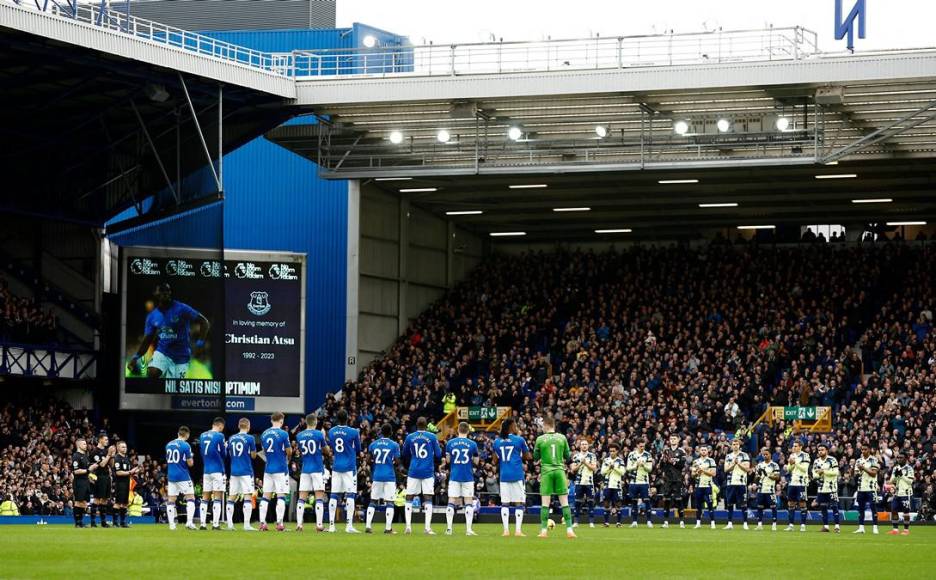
<point>552,452</point>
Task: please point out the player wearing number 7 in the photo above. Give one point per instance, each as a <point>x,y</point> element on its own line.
<point>421,449</point>
<point>511,450</point>
<point>552,451</point>
<point>461,455</point>
<point>313,449</point>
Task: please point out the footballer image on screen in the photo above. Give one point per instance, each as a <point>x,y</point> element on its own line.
<point>174,335</point>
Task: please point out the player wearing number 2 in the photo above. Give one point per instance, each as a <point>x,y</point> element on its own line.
<point>242,449</point>
<point>313,449</point>
<point>276,452</point>
<point>510,450</point>
<point>345,444</point>
<point>422,450</point>
<point>461,455</point>
<point>552,451</point>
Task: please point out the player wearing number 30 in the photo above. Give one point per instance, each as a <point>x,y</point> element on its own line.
<point>276,451</point>
<point>421,449</point>
<point>385,452</point>
<point>345,444</point>
<point>313,448</point>
<point>462,455</point>
<point>510,450</point>
<point>212,446</point>
<point>242,449</point>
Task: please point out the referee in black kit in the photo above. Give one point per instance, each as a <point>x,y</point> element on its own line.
<point>122,474</point>
<point>102,456</point>
<point>81,484</point>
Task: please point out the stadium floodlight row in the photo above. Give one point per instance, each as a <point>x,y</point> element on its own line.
<point>627,478</point>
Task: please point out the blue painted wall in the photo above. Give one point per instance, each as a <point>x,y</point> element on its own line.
<point>274,200</point>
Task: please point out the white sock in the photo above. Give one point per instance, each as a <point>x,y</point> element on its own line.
<point>203,512</point>
<point>389,516</point>
<point>171,514</point>
<point>370,516</point>
<point>230,513</point>
<point>518,519</point>
<point>190,513</point>
<point>300,511</point>
<point>319,512</point>
<point>349,510</point>
<point>469,514</point>
<point>280,509</point>
<point>449,516</point>
<point>264,505</point>
<point>332,510</point>
<point>248,511</point>
<point>505,518</point>
<point>216,513</point>
<point>428,511</point>
<point>408,512</point>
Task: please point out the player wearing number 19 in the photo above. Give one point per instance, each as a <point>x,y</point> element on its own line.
<point>276,452</point>
<point>346,444</point>
<point>212,446</point>
<point>242,449</point>
<point>461,455</point>
<point>312,448</point>
<point>421,449</point>
<point>552,451</point>
<point>510,450</point>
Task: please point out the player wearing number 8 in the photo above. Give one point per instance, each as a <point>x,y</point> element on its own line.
<point>345,444</point>
<point>552,451</point>
<point>510,450</point>
<point>462,455</point>
<point>421,449</point>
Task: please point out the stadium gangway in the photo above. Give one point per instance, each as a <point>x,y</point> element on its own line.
<point>115,18</point>
<point>729,46</point>
<point>822,423</point>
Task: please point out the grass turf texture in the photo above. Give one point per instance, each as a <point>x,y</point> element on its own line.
<point>153,551</point>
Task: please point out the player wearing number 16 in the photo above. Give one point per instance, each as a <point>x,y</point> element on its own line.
<point>511,450</point>
<point>313,448</point>
<point>345,444</point>
<point>421,449</point>
<point>462,455</point>
<point>552,451</point>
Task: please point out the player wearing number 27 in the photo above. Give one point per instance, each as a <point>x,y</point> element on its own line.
<point>552,451</point>
<point>462,455</point>
<point>312,448</point>
<point>385,452</point>
<point>421,449</point>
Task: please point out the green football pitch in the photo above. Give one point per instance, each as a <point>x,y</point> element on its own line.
<point>149,551</point>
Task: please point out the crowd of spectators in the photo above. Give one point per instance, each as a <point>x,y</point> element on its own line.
<point>651,342</point>
<point>22,320</point>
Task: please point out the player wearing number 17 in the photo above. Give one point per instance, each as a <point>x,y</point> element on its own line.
<point>345,444</point>
<point>462,455</point>
<point>552,451</point>
<point>511,450</point>
<point>313,448</point>
<point>421,449</point>
<point>276,452</point>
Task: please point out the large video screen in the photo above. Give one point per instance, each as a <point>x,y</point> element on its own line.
<point>205,330</point>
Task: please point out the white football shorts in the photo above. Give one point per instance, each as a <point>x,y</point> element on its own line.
<point>212,482</point>
<point>420,486</point>
<point>343,482</point>
<point>512,492</point>
<point>311,482</point>
<point>460,489</point>
<point>277,483</point>
<point>177,488</point>
<point>383,490</point>
<point>241,485</point>
<point>169,369</point>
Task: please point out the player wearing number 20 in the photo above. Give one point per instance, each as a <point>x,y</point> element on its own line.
<point>510,450</point>
<point>312,447</point>
<point>345,444</point>
<point>421,449</point>
<point>178,461</point>
<point>462,455</point>
<point>385,452</point>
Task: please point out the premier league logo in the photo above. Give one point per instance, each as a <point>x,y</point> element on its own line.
<point>259,303</point>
